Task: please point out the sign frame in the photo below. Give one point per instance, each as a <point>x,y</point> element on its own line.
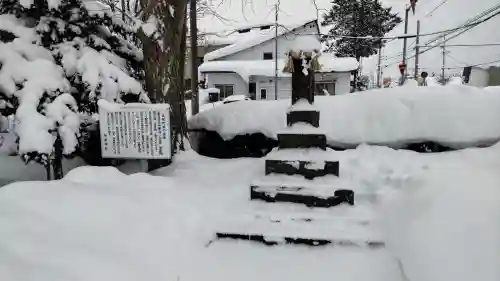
<point>146,129</point>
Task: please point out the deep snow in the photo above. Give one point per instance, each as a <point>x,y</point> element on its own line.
<point>456,116</point>
<point>98,224</point>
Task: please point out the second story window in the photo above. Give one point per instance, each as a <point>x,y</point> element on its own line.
<point>268,56</point>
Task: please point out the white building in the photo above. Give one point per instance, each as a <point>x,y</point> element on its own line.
<point>248,66</point>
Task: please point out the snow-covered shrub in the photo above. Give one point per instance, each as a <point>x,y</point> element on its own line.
<point>57,58</point>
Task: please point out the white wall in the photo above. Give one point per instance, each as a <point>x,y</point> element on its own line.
<point>341,79</point>
<point>284,87</point>
<point>284,45</point>
<point>343,83</point>
<point>479,77</point>
<point>240,86</point>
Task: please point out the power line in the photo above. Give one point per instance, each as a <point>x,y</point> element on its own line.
<point>429,14</point>
<point>467,28</point>
<point>473,65</point>
<point>471,22</point>
<point>469,45</point>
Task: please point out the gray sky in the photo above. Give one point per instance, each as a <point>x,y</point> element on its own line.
<point>449,15</point>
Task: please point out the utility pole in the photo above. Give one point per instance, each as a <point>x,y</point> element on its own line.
<point>443,46</point>
<point>194,59</point>
<point>379,67</point>
<point>276,52</point>
<point>405,41</point>
<point>417,49</point>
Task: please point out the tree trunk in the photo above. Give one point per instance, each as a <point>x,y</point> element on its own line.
<point>164,64</point>
<point>356,76</point>
<point>58,155</point>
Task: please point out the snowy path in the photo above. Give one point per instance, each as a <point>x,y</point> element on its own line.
<point>98,224</point>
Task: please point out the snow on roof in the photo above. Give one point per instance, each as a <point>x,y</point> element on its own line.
<point>266,67</point>
<point>245,69</point>
<point>260,37</point>
<point>331,63</point>
<point>228,37</point>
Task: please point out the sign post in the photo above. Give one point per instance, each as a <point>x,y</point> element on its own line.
<point>135,131</point>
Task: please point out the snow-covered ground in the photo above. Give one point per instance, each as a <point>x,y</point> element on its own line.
<point>457,116</point>
<point>440,213</point>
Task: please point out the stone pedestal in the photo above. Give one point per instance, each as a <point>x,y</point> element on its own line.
<point>290,176</point>
<point>302,133</point>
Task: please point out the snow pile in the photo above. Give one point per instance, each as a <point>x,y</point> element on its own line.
<point>492,88</point>
<point>441,224</point>
<point>432,81</point>
<point>234,98</point>
<point>410,83</point>
<point>446,227</point>
<point>455,81</point>
<point>456,116</point>
<point>331,63</point>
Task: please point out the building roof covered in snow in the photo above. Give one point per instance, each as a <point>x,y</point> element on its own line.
<point>245,69</point>
<point>257,36</point>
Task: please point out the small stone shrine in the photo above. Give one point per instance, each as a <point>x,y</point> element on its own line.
<point>298,172</point>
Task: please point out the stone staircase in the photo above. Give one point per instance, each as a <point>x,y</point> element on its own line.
<point>303,172</point>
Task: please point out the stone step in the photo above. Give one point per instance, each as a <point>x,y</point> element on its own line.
<point>320,192</point>
<point>310,117</point>
<point>308,169</point>
<point>293,195</point>
<point>301,140</point>
<point>311,231</point>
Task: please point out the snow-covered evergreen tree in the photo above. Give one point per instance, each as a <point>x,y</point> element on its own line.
<point>357,18</point>
<point>57,58</point>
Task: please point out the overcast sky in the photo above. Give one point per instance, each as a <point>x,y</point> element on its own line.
<point>451,14</point>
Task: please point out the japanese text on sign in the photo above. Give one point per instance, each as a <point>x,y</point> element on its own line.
<point>135,132</point>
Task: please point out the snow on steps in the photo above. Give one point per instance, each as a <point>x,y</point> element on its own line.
<point>307,229</point>
<point>326,191</point>
<point>308,169</point>
<point>310,163</point>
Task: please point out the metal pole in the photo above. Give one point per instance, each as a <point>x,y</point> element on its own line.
<point>444,59</point>
<point>379,68</point>
<point>417,49</point>
<point>405,41</point>
<point>194,59</point>
<point>276,53</point>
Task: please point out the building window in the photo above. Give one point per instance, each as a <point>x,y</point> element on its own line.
<point>263,94</point>
<point>225,90</point>
<point>268,56</point>
<point>324,88</point>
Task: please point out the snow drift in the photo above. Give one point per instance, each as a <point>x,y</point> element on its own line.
<point>455,116</point>
<point>446,227</point>
<point>98,224</point>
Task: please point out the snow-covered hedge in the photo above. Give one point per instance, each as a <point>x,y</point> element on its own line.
<point>56,60</point>
<point>455,116</point>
